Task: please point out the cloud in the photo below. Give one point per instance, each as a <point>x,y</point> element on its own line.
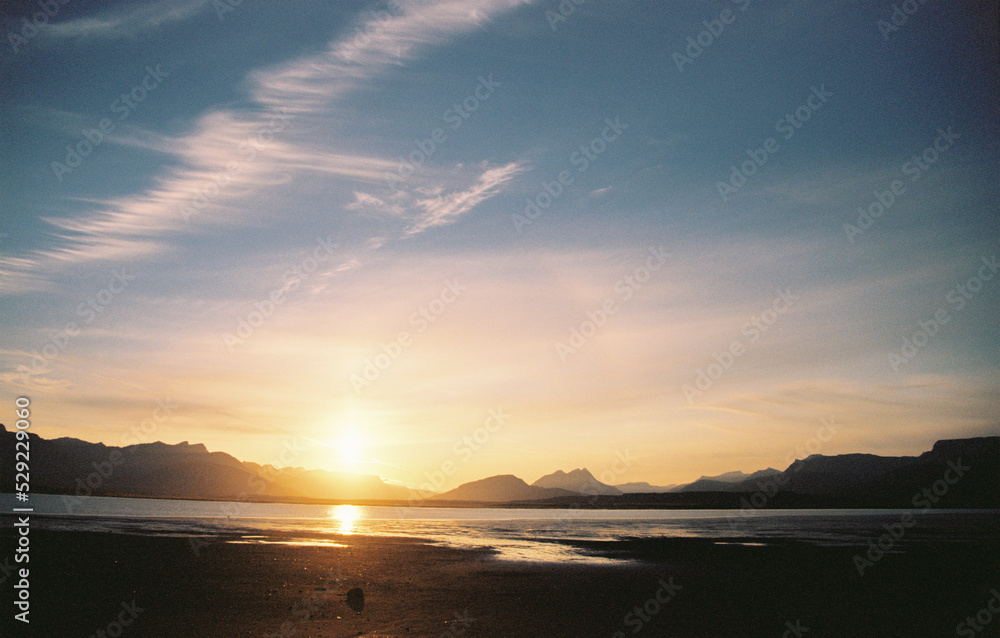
<point>20,274</point>
<point>231,154</point>
<point>126,22</point>
<point>367,201</point>
<point>446,208</point>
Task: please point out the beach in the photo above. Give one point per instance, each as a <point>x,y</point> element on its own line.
<point>153,586</point>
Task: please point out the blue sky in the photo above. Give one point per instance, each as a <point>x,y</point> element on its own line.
<point>249,169</point>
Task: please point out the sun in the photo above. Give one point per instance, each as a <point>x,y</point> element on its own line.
<point>351,446</point>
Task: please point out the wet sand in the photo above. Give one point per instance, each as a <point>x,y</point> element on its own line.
<point>157,586</point>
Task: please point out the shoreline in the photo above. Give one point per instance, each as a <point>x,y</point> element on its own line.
<point>413,587</point>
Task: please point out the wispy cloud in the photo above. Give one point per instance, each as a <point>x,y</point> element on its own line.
<point>446,208</point>
<point>126,22</point>
<point>263,144</point>
<point>369,202</point>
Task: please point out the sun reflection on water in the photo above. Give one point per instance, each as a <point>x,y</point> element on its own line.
<point>346,517</point>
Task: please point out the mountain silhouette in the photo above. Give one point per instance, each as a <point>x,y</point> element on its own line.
<point>72,466</point>
<point>502,488</point>
<point>971,467</point>
<point>957,473</point>
<point>579,480</point>
<point>728,482</point>
<point>846,480</point>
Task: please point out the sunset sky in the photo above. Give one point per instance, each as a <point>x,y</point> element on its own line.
<point>358,228</point>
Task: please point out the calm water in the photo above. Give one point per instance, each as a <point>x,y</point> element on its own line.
<point>528,534</point>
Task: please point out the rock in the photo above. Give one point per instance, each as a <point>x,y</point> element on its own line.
<point>356,599</point>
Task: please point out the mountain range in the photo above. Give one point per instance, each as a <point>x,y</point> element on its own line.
<point>959,473</point>
<point>183,470</point>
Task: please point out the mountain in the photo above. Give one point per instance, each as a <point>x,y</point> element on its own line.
<point>709,485</point>
<point>644,488</point>
<point>503,488</point>
<point>961,473</point>
<point>818,474</point>
<point>728,482</point>
<point>579,480</point>
<point>728,477</point>
<point>72,466</point>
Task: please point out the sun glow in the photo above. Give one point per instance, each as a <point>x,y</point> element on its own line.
<point>351,446</point>
<point>346,516</point>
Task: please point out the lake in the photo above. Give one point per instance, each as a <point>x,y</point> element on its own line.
<point>515,534</point>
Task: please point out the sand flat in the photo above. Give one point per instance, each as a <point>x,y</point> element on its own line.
<point>81,580</point>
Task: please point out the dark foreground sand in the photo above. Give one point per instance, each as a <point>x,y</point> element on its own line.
<point>85,582</point>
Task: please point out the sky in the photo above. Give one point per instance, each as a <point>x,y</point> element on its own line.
<point>441,240</point>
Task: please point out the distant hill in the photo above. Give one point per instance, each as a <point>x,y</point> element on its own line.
<point>644,488</point>
<point>579,480</point>
<point>730,477</point>
<point>888,480</point>
<point>728,482</point>
<point>503,488</point>
<point>709,485</point>
<point>847,480</point>
<point>818,474</point>
<point>72,466</point>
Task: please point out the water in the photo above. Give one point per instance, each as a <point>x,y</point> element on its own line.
<point>515,534</point>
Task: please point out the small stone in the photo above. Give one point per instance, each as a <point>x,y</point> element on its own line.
<point>356,599</point>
